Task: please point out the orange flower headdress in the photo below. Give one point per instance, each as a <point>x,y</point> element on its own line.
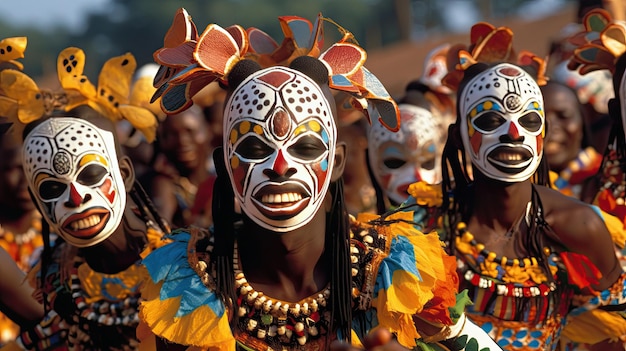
<point>22,101</point>
<point>489,44</point>
<point>190,61</point>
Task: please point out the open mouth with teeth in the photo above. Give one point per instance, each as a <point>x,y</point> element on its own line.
<point>510,159</point>
<point>86,224</point>
<point>281,202</point>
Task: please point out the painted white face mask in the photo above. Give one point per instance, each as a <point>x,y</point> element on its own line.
<point>72,170</point>
<point>409,155</point>
<point>503,123</point>
<point>280,142</point>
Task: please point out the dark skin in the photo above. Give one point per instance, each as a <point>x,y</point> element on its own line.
<point>184,142</point>
<point>576,226</point>
<point>16,295</point>
<point>19,210</point>
<point>298,267</point>
<point>564,116</point>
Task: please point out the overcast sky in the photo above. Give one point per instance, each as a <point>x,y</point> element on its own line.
<point>48,13</point>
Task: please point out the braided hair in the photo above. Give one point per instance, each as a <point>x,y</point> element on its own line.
<point>145,207</point>
<point>459,192</point>
<point>226,219</point>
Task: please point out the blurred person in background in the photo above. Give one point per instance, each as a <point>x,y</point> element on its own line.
<point>573,161</point>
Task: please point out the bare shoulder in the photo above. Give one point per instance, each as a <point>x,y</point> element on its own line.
<point>581,229</point>
<point>573,221</point>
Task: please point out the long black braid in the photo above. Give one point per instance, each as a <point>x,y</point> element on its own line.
<point>224,232</point>
<point>338,235</point>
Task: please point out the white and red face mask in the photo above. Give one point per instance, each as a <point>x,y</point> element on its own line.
<point>279,144</point>
<point>412,154</point>
<point>503,123</point>
<point>73,172</point>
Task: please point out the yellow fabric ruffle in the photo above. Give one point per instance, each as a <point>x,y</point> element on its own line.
<point>594,326</point>
<point>99,286</point>
<point>200,328</point>
<point>408,294</point>
<point>155,241</point>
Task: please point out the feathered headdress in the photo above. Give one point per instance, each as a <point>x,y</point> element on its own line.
<point>189,61</point>
<point>22,101</point>
<point>489,44</point>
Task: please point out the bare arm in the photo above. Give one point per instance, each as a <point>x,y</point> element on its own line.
<point>16,295</point>
<point>580,229</point>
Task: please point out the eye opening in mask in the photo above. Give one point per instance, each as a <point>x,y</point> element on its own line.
<point>429,164</point>
<point>51,189</point>
<point>531,121</point>
<point>308,148</point>
<point>253,148</point>
<point>488,121</point>
<point>394,163</point>
<point>92,175</point>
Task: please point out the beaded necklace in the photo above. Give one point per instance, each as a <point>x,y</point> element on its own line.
<point>279,322</point>
<point>498,273</point>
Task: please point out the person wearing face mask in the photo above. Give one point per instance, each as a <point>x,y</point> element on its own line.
<point>292,270</point>
<point>537,264</point>
<point>85,190</point>
<point>412,154</point>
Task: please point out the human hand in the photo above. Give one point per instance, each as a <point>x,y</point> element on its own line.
<point>379,339</point>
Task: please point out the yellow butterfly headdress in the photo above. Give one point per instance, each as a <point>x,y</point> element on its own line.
<point>12,49</point>
<point>489,44</point>
<point>23,101</point>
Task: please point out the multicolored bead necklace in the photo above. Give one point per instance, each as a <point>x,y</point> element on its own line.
<point>495,269</point>
<point>466,237</point>
<point>279,322</point>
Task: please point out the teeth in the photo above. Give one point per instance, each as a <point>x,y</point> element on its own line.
<point>85,222</point>
<point>510,157</point>
<point>281,198</point>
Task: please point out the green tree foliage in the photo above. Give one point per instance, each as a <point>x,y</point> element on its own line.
<point>138,26</point>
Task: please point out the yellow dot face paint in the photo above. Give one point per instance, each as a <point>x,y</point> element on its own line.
<point>72,170</point>
<point>244,127</point>
<point>234,162</point>
<point>93,158</point>
<point>315,126</point>
<point>281,153</point>
<point>233,136</point>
